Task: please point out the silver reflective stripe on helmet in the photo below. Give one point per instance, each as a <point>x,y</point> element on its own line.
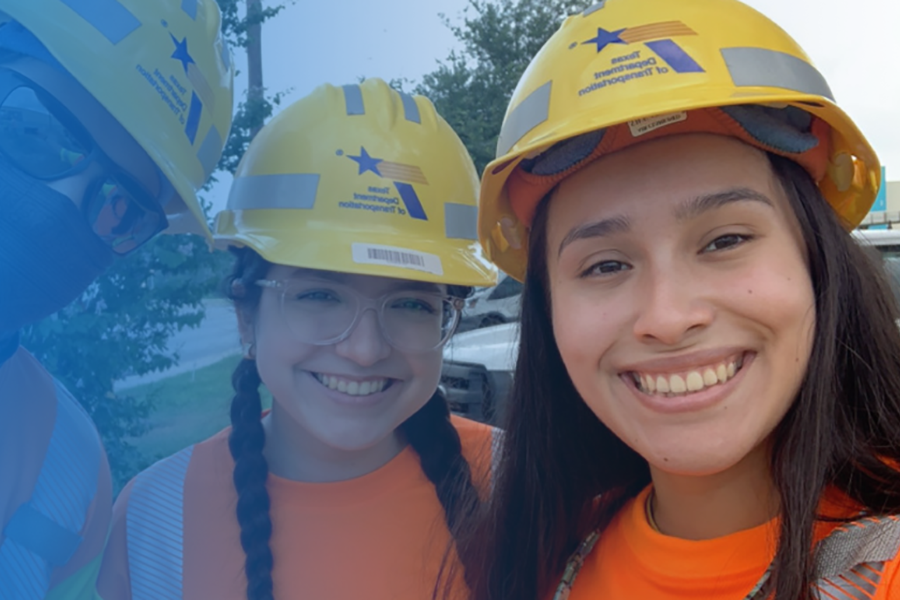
<point>461,221</point>
<point>289,190</point>
<point>531,112</point>
<point>109,17</point>
<point>410,108</point>
<point>593,8</point>
<point>759,67</point>
<point>155,523</point>
<point>190,8</point>
<point>210,151</point>
<point>354,100</point>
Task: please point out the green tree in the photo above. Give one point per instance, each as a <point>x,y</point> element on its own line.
<point>472,87</point>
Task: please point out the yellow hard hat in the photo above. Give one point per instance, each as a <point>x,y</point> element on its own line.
<point>360,179</point>
<point>642,65</point>
<point>160,67</point>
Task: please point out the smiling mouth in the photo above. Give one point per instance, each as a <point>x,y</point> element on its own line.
<point>687,382</point>
<point>353,387</point>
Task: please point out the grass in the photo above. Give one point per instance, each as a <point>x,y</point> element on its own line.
<point>189,407</point>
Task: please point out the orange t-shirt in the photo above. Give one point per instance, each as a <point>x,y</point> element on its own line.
<point>381,536</point>
<point>632,560</point>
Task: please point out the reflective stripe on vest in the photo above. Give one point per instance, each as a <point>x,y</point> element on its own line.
<point>155,524</point>
<point>44,532</point>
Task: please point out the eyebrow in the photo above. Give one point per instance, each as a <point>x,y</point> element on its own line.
<point>694,207</point>
<point>597,229</point>
<point>689,209</point>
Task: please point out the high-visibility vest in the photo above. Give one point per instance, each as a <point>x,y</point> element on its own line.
<point>44,532</point>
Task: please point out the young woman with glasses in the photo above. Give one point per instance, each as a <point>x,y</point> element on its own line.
<point>352,219</point>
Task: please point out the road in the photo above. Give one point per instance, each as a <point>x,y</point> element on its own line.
<point>216,338</point>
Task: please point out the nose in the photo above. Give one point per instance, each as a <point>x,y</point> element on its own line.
<point>670,306</point>
<point>365,345</point>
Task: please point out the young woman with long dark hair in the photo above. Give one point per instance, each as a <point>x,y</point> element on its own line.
<point>352,218</point>
<point>707,401</point>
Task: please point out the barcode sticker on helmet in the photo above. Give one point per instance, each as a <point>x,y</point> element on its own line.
<point>371,254</point>
<point>642,126</point>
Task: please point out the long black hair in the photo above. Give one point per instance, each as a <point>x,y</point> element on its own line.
<point>429,432</point>
<point>843,429</point>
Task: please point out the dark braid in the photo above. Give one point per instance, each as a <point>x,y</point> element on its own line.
<point>251,470</point>
<point>436,441</point>
<point>248,439</point>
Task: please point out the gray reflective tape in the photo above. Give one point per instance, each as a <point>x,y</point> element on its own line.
<point>461,221</point>
<point>190,8</point>
<point>294,190</point>
<point>410,108</point>
<point>752,67</point>
<point>210,151</point>
<point>353,98</point>
<point>108,17</point>
<point>592,9</point>
<point>534,110</point>
<point>155,529</point>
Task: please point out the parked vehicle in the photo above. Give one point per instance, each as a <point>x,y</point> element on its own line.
<point>493,306</point>
<point>477,373</point>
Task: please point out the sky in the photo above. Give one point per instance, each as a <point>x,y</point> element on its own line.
<point>856,45</point>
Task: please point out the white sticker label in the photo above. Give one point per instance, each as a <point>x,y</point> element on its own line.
<point>391,256</point>
<point>642,126</point>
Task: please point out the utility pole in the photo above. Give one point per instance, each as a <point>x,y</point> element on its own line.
<point>254,57</point>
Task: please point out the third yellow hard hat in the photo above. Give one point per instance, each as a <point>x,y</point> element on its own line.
<point>634,67</point>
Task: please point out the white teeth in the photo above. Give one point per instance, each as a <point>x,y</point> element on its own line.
<point>662,385</point>
<point>722,373</point>
<point>692,381</point>
<point>352,388</point>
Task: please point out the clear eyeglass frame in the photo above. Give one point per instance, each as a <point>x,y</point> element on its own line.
<point>452,304</point>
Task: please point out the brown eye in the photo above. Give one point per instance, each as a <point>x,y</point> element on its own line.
<point>725,242</point>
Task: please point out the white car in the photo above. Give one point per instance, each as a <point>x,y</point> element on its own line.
<point>478,368</point>
<point>493,305</point>
<point>479,364</point>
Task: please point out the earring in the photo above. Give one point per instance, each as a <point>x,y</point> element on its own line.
<point>249,351</point>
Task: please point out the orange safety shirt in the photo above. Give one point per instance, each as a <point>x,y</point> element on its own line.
<point>632,560</point>
<point>381,536</point>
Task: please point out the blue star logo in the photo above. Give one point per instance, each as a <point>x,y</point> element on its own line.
<point>605,38</point>
<point>366,162</point>
<point>181,52</point>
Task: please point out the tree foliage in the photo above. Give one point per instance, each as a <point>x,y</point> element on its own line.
<point>472,87</point>
<point>252,112</point>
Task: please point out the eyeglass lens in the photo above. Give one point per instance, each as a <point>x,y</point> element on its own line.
<point>322,313</point>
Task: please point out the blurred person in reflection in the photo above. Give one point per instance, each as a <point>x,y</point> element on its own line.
<point>352,218</point>
<point>93,163</point>
<point>707,396</point>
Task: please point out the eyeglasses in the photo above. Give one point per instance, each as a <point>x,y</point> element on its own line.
<point>322,312</point>
<point>44,140</point>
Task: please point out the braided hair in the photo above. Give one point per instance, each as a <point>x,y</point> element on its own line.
<point>429,431</point>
